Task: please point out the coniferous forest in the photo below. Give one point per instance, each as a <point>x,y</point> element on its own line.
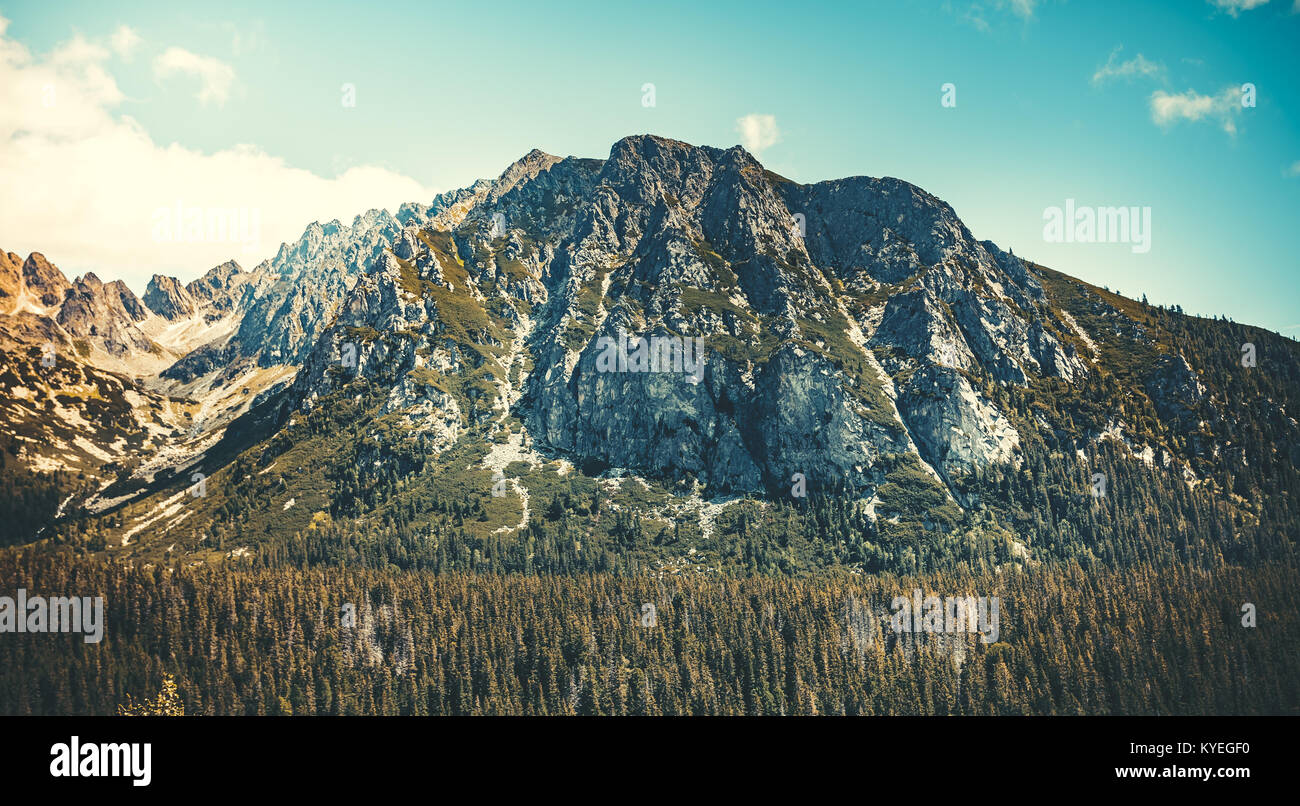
<point>397,594</point>
<point>239,640</point>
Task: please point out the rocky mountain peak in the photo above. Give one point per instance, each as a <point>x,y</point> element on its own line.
<point>169,299</point>
<point>524,169</point>
<point>217,286</point>
<point>838,322</point>
<point>45,283</point>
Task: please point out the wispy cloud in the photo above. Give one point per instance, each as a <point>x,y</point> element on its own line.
<point>1138,66</point>
<point>757,132</point>
<point>1294,170</point>
<point>1023,8</point>
<point>1235,7</point>
<point>979,14</point>
<point>215,76</point>
<point>1170,108</point>
<point>975,16</point>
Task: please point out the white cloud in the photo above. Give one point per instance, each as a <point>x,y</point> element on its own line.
<point>757,132</point>
<point>1294,170</point>
<point>1137,66</point>
<point>83,183</point>
<point>124,41</point>
<point>215,76</point>
<point>1235,7</point>
<point>1170,108</point>
<point>78,51</point>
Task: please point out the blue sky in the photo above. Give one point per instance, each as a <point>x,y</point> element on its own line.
<point>240,104</point>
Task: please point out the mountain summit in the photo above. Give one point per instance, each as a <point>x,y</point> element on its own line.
<point>841,322</point>
<point>676,315</point>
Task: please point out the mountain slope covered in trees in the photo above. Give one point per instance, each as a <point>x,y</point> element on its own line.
<point>445,418</point>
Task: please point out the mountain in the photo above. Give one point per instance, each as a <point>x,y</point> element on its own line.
<point>166,297</point>
<point>658,433</point>
<point>671,358</point>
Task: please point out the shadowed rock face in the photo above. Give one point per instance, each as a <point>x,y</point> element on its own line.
<point>105,314</point>
<point>217,291</point>
<point>169,299</point>
<point>45,283</point>
<point>840,323</point>
<point>11,280</point>
<point>283,305</point>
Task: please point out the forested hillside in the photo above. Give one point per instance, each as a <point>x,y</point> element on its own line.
<point>451,420</point>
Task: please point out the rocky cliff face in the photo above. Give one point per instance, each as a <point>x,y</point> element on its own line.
<point>106,315</point>
<point>673,312</point>
<point>218,291</point>
<point>11,280</point>
<point>45,283</point>
<point>837,324</point>
<point>282,305</point>
<point>169,299</point>
<point>33,285</point>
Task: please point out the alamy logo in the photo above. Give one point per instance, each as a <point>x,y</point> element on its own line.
<point>1248,355</point>
<point>56,614</point>
<point>92,760</point>
<point>1130,225</point>
<point>656,354</point>
<point>951,614</point>
<point>1248,615</point>
<point>799,226</point>
<point>182,224</point>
